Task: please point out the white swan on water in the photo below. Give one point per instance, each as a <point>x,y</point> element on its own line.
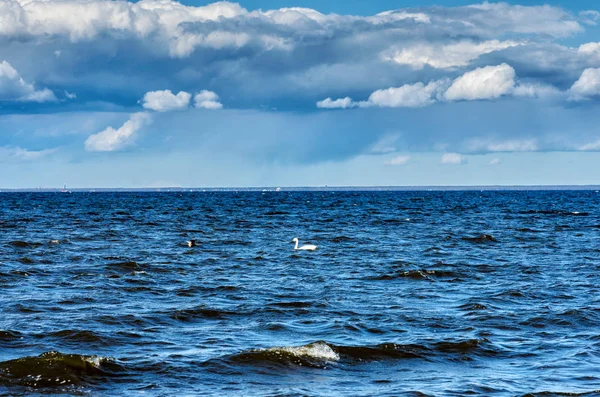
<point>306,247</point>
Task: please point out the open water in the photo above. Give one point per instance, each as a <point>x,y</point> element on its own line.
<point>409,294</point>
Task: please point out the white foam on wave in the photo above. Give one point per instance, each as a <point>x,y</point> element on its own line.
<point>318,351</point>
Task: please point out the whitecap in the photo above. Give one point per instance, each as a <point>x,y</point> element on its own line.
<point>317,350</point>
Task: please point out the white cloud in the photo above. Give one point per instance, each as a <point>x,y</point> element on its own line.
<point>110,139</point>
<point>512,145</point>
<point>14,88</point>
<point>70,95</point>
<point>164,101</point>
<point>170,26</point>
<point>545,19</point>
<point>488,82</point>
<point>400,160</point>
<point>592,48</point>
<point>17,154</point>
<point>341,103</point>
<point>444,56</point>
<point>587,86</point>
<point>453,158</point>
<point>592,146</point>
<point>495,161</point>
<point>589,17</point>
<point>207,100</point>
<point>536,91</point>
<point>409,95</point>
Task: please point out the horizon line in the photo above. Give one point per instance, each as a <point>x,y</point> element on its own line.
<point>307,188</point>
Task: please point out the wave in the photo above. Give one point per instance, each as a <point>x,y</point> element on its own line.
<point>52,369</point>
<point>321,354</point>
<point>316,355</point>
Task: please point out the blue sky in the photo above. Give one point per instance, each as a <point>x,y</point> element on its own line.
<point>104,93</point>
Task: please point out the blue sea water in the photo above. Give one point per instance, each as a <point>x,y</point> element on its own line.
<point>420,293</point>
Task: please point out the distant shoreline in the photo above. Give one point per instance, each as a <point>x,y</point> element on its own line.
<point>311,189</point>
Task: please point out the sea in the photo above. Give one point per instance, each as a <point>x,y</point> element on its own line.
<point>409,293</point>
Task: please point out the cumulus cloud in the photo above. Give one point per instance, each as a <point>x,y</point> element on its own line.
<point>164,101</point>
<point>453,158</point>
<point>400,160</point>
<point>408,95</point>
<point>586,86</point>
<point>444,56</point>
<point>341,103</point>
<point>592,48</point>
<point>488,82</point>
<point>110,139</point>
<point>207,100</point>
<point>14,88</point>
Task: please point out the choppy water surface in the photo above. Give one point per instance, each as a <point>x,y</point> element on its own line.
<point>409,293</point>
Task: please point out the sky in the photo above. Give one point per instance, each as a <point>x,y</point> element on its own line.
<point>157,93</point>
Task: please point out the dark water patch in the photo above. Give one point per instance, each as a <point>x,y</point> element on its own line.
<point>77,336</point>
<point>53,369</point>
<point>9,336</point>
<point>470,307</point>
<point>23,244</point>
<point>465,347</point>
<point>124,266</point>
<point>425,274</point>
<point>275,213</point>
<point>293,304</point>
<point>382,351</point>
<point>528,230</point>
<point>200,312</point>
<point>482,238</point>
<point>341,239</point>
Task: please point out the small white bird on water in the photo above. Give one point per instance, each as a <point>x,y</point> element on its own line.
<point>306,247</point>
